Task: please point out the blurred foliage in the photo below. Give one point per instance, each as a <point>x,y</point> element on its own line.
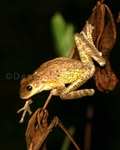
<point>62,34</point>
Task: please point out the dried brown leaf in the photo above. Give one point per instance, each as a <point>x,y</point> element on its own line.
<point>104,37</point>
<point>37,125</point>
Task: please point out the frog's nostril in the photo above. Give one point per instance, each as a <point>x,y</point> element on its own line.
<point>29,87</point>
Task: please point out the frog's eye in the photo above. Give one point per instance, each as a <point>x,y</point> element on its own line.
<point>29,87</point>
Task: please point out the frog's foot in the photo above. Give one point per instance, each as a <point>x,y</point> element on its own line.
<point>25,109</point>
<point>86,36</point>
<point>88,32</point>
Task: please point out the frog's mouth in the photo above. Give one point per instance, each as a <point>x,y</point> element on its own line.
<point>25,95</point>
<point>30,90</point>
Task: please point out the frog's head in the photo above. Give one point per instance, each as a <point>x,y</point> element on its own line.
<point>30,87</point>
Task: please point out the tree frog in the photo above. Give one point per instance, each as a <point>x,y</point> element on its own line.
<point>55,74</point>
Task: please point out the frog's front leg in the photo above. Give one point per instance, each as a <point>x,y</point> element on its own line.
<point>25,109</point>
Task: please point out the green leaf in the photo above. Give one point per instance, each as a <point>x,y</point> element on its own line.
<point>62,35</point>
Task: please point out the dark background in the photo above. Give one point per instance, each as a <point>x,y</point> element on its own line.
<point>25,43</point>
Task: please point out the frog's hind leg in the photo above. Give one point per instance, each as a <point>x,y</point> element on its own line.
<point>71,91</point>
<point>84,42</point>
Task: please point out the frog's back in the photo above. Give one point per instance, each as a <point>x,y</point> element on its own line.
<point>50,62</point>
<point>61,69</point>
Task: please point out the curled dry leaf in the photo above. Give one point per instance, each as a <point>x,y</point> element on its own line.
<point>38,130</point>
<point>104,37</point>
<point>37,125</point>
